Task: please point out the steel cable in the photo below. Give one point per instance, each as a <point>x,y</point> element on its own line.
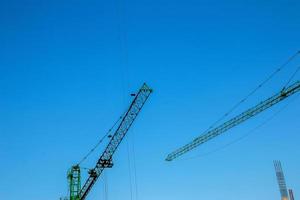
<point>245,135</point>
<point>100,141</point>
<point>256,89</point>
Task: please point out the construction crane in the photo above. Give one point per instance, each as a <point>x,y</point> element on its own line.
<point>105,160</point>
<point>285,194</point>
<point>281,180</point>
<point>212,133</point>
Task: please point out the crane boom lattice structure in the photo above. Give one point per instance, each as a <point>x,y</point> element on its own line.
<point>105,160</point>
<point>281,180</point>
<point>210,134</point>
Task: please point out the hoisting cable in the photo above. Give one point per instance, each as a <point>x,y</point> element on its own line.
<point>85,168</point>
<point>100,141</point>
<point>292,77</point>
<point>129,170</point>
<point>123,41</point>
<point>245,135</point>
<point>121,17</point>
<point>105,193</point>
<point>251,93</point>
<point>134,169</point>
<point>256,89</point>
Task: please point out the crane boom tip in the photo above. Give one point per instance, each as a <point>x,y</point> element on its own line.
<point>168,158</point>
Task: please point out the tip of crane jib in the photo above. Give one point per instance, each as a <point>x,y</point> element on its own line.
<point>146,87</point>
<point>168,159</point>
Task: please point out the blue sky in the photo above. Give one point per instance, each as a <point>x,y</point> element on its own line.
<point>67,69</point>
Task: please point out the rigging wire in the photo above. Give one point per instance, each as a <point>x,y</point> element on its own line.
<point>123,39</point>
<point>123,48</point>
<point>105,186</point>
<point>124,62</point>
<point>281,67</point>
<point>129,171</point>
<point>100,141</point>
<point>134,169</point>
<point>85,168</point>
<point>244,99</point>
<point>245,135</point>
<point>292,77</point>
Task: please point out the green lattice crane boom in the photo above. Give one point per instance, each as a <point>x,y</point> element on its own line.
<point>105,160</point>
<point>210,134</point>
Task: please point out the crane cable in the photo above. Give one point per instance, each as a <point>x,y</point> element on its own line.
<point>267,120</point>
<point>129,171</point>
<point>292,76</point>
<point>123,39</point>
<point>281,67</point>
<point>105,186</point>
<point>245,135</point>
<point>124,58</point>
<point>134,168</point>
<point>100,141</point>
<point>123,45</point>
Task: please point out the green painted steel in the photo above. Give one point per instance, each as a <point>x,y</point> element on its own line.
<point>105,160</point>
<point>74,182</point>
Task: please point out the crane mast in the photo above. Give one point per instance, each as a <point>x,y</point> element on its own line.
<point>281,180</point>
<point>291,194</point>
<point>105,160</point>
<point>210,134</point>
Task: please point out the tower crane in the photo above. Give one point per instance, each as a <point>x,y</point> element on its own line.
<point>281,180</point>
<point>105,160</point>
<point>212,133</point>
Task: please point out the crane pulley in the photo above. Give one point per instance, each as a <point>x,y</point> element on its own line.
<point>105,160</point>
<point>210,134</point>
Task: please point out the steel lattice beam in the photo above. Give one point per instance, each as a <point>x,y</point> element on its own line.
<point>210,134</point>
<point>105,160</point>
<point>281,180</point>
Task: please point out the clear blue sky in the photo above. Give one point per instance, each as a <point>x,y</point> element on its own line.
<point>67,69</point>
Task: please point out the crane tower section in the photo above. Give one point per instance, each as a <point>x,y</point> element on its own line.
<point>74,182</point>
<point>281,180</point>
